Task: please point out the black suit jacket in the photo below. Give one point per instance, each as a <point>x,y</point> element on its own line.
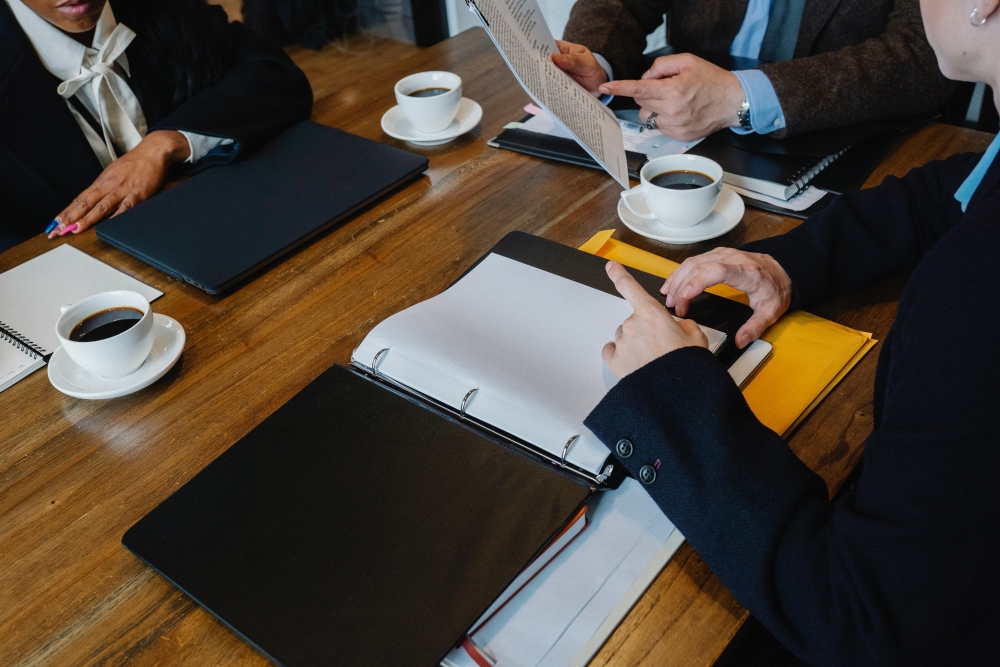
<point>904,569</point>
<point>45,160</point>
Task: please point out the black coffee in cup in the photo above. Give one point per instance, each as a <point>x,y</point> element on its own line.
<point>428,92</point>
<point>681,179</point>
<point>105,324</point>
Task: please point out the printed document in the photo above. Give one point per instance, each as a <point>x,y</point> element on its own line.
<point>523,39</point>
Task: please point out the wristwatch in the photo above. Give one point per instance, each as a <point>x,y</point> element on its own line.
<point>744,115</point>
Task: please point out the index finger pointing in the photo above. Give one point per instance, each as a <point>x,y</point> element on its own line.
<point>628,287</point>
<point>643,89</point>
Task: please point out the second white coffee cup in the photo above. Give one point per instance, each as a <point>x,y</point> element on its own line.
<point>115,356</point>
<point>678,208</point>
<point>429,99</point>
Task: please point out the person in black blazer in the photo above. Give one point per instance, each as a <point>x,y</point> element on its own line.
<point>190,71</point>
<point>903,569</point>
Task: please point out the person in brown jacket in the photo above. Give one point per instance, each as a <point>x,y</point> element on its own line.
<point>829,63</point>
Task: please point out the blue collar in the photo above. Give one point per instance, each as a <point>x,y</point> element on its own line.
<point>968,188</point>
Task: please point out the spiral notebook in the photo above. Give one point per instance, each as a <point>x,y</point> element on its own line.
<point>31,295</point>
<point>774,175</point>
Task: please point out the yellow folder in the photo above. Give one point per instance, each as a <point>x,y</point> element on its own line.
<point>810,354</point>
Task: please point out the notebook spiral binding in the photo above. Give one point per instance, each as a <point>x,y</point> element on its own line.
<point>20,342</point>
<point>801,178</point>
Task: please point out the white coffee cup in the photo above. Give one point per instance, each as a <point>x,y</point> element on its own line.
<point>429,114</point>
<point>118,355</point>
<point>675,208</point>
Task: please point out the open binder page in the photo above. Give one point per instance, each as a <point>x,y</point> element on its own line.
<point>527,341</point>
<point>523,39</point>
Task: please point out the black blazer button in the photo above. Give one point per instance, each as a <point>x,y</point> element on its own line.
<point>624,448</point>
<point>647,474</point>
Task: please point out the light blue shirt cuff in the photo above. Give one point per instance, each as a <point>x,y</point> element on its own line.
<point>603,62</point>
<point>765,110</point>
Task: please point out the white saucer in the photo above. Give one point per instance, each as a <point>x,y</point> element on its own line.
<point>396,124</point>
<point>168,343</point>
<point>727,214</point>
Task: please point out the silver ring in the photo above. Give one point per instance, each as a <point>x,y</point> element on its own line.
<point>972,18</point>
<point>651,121</point>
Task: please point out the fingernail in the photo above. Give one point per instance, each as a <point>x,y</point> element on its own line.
<point>669,301</point>
<point>52,225</point>
<point>71,228</point>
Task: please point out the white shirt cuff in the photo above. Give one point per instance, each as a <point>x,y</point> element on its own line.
<point>202,145</point>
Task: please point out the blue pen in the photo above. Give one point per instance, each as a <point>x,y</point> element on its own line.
<point>635,127</point>
<point>52,225</point>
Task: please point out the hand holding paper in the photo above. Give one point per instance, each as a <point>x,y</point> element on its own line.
<point>578,61</point>
<point>649,333</point>
<point>760,276</point>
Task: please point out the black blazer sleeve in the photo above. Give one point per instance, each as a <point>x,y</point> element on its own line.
<point>260,95</point>
<point>866,234</point>
<point>903,570</point>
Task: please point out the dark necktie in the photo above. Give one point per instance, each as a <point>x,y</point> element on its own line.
<point>782,31</point>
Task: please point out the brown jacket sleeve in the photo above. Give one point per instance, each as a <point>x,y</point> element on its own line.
<point>617,30</point>
<point>891,75</point>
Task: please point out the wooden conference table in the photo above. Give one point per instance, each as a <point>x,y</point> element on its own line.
<point>74,474</point>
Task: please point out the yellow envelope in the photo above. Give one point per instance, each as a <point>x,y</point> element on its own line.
<point>810,354</point>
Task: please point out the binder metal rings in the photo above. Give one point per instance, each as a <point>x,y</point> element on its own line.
<point>375,360</point>
<point>569,443</point>
<point>465,400</point>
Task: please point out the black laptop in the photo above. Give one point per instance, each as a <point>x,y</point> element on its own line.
<point>220,226</point>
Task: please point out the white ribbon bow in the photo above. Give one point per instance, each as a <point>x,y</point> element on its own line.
<point>121,117</point>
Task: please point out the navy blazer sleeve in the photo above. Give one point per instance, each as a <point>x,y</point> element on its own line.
<point>261,94</point>
<point>904,569</point>
<point>870,233</point>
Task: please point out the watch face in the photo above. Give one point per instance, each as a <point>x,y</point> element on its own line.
<point>744,115</point>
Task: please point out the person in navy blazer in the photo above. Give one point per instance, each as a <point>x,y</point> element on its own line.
<point>903,568</point>
<point>190,71</point>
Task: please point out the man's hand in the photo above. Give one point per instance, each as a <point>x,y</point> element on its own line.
<point>649,332</point>
<point>132,178</point>
<point>760,276</point>
<point>580,63</point>
<point>691,97</point>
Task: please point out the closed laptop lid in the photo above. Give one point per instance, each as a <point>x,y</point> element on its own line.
<point>219,226</point>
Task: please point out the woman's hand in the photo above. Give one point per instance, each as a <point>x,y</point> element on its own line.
<point>132,178</point>
<point>577,61</point>
<point>760,276</point>
<point>650,331</point>
<point>692,97</point>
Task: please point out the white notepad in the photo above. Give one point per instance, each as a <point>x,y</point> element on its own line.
<point>31,295</point>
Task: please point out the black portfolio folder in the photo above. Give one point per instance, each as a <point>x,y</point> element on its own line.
<point>362,525</point>
<point>220,226</point>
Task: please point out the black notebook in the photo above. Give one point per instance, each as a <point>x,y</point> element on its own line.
<point>371,522</point>
<point>771,174</point>
<point>220,226</point>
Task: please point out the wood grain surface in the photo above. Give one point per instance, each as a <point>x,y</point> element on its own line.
<point>75,474</point>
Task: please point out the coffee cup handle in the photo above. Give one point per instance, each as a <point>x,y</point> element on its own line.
<point>63,309</point>
<point>636,194</point>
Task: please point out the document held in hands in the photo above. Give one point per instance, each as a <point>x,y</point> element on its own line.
<point>523,39</point>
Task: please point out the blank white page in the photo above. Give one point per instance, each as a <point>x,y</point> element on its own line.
<point>529,341</point>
